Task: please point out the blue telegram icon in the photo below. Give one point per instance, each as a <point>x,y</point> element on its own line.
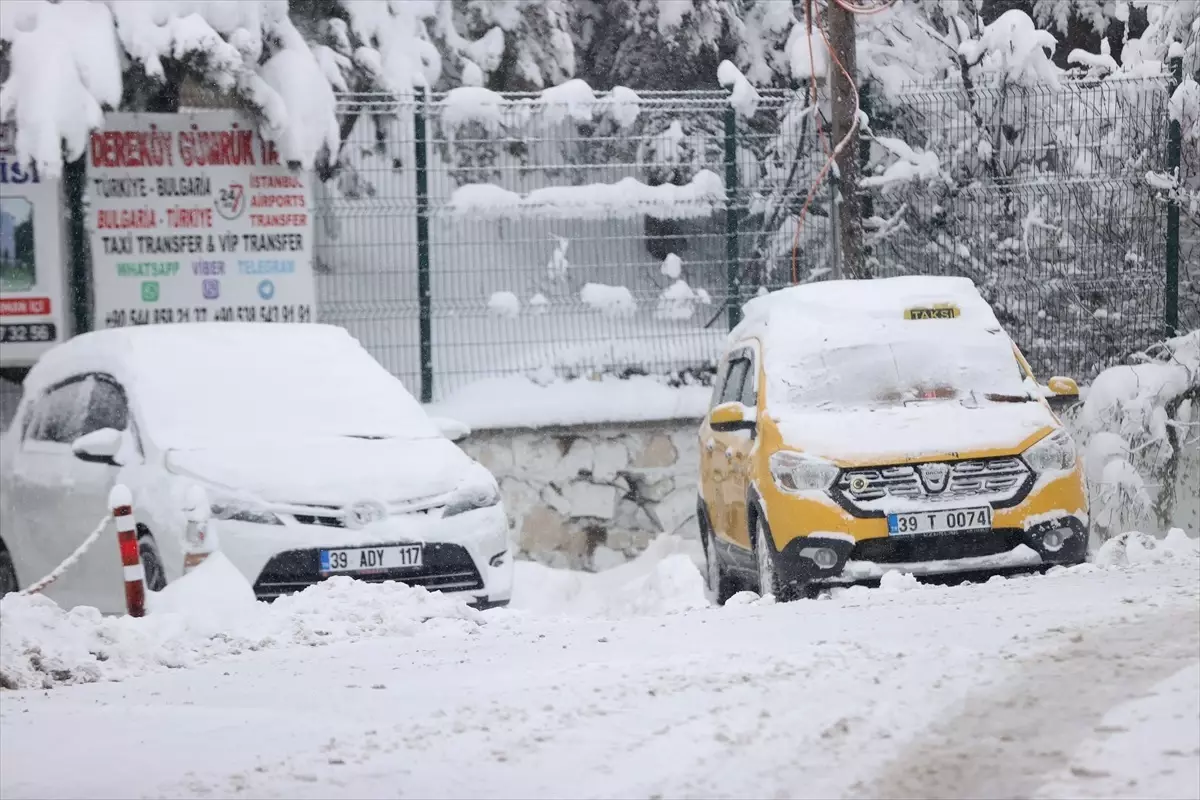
<point>266,289</point>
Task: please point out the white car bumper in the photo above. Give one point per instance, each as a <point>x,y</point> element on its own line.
<point>465,555</point>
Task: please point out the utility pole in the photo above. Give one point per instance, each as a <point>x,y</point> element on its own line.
<point>849,214</point>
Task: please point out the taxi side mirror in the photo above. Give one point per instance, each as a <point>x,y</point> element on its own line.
<point>731,416</point>
<point>1064,392</point>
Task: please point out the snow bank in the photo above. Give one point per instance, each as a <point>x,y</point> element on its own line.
<point>628,198</point>
<point>894,581</point>
<point>1157,727</point>
<point>1139,548</point>
<point>517,402</point>
<point>664,579</point>
<point>208,614</point>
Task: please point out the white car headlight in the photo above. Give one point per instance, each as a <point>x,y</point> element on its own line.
<point>240,511</point>
<point>471,497</point>
<point>1054,453</point>
<point>796,472</point>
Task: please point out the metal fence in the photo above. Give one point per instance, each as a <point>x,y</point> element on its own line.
<point>470,236</point>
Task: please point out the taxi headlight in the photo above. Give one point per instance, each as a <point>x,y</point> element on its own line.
<point>1055,453</point>
<point>796,472</point>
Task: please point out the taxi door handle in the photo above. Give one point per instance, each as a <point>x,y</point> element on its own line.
<point>729,452</point>
<point>709,445</point>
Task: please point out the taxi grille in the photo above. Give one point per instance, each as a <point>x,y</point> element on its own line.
<point>1001,482</point>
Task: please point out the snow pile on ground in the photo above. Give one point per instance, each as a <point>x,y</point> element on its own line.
<point>1135,547</point>
<point>208,614</point>
<point>518,402</point>
<point>1156,728</point>
<point>894,581</point>
<point>664,579</point>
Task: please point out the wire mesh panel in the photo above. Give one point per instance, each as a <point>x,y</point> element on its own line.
<point>1041,198</point>
<point>578,233</point>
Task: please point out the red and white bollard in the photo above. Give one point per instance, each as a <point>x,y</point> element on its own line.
<point>121,502</point>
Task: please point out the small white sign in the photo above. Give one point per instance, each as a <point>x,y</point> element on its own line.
<point>32,267</point>
<point>194,219</point>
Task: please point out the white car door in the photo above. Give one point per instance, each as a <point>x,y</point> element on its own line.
<point>38,481</point>
<point>63,497</point>
<point>96,579</point>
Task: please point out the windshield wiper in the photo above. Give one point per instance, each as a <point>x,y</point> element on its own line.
<point>1008,398</point>
<point>370,436</point>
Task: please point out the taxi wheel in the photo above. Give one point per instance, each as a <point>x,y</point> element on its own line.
<point>718,582</point>
<point>764,558</point>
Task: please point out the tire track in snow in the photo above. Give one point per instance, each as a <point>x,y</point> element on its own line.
<point>1003,743</point>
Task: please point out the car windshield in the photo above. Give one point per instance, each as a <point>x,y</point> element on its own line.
<point>981,370</point>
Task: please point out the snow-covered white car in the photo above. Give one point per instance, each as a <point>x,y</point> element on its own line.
<point>312,458</point>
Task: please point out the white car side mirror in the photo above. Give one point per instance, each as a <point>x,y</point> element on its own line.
<point>99,447</point>
<point>452,429</point>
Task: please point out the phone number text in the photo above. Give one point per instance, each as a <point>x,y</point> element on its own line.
<point>121,317</point>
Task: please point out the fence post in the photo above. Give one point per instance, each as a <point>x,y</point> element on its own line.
<point>1174,155</point>
<point>121,502</point>
<point>424,293</point>
<point>733,303</point>
<point>79,269</point>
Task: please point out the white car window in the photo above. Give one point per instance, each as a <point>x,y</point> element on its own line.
<point>106,407</point>
<point>60,414</point>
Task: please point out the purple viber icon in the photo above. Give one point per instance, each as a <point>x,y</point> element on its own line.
<point>211,288</point>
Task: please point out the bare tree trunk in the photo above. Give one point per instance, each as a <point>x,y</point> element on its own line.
<point>850,230</point>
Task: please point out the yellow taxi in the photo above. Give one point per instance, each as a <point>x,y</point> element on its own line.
<point>860,427</point>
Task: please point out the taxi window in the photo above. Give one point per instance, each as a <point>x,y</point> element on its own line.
<point>749,394</point>
<point>738,369</point>
<point>719,382</point>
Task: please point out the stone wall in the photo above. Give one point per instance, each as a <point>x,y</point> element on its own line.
<point>594,496</point>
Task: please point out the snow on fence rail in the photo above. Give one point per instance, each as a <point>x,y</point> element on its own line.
<point>1037,193</point>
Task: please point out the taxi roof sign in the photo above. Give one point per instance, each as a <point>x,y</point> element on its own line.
<point>936,311</point>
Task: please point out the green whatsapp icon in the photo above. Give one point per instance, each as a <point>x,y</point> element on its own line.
<point>149,291</point>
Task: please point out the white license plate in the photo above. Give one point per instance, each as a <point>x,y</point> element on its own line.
<point>368,559</point>
<point>960,519</point>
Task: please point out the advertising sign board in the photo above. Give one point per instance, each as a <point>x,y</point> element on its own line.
<point>32,266</point>
<point>192,218</point>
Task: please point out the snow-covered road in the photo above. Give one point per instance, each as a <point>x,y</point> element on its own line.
<point>1079,683</point>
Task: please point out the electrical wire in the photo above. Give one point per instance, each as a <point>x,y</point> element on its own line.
<point>831,157</point>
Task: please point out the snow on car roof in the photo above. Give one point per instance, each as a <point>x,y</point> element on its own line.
<point>849,312</point>
<point>200,383</point>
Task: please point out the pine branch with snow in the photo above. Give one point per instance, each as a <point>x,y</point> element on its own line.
<point>1140,433</point>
